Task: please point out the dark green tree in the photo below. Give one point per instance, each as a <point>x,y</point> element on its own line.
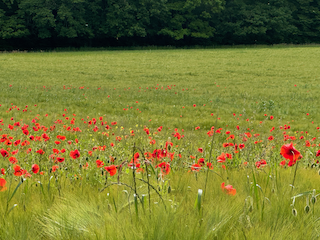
<point>191,18</point>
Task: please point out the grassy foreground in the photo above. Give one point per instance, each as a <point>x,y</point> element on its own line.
<point>158,132</point>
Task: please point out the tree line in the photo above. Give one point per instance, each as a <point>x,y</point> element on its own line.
<point>101,23</point>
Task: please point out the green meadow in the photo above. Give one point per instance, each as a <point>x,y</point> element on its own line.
<point>134,110</point>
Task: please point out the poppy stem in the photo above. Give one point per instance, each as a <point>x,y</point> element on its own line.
<point>294,176</point>
<point>134,170</point>
<point>147,171</point>
<point>211,147</point>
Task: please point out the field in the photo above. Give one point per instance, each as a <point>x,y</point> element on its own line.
<point>160,144</point>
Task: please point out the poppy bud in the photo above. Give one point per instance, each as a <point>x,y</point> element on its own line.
<point>250,208</point>
<point>294,212</point>
<point>313,200</point>
<point>307,209</point>
<point>169,189</point>
<point>80,165</point>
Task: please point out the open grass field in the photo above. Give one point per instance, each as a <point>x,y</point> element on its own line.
<point>160,144</point>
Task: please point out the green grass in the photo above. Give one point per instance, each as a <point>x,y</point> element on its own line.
<point>78,203</point>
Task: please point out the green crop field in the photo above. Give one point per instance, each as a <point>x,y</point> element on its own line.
<point>160,144</point>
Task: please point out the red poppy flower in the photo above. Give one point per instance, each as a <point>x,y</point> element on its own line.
<point>261,163</point>
<point>308,144</point>
<point>225,145</point>
<point>270,138</point>
<point>55,150</point>
<point>26,132</point>
<point>35,168</point>
<point>45,137</point>
<point>283,163</point>
<point>3,171</point>
<point>289,152</point>
<point>164,167</point>
<point>13,160</point>
<point>16,143</point>
<point>228,189</point>
<point>4,153</point>
<point>60,159</point>
<point>201,161</point>
<point>75,154</point>
<point>210,165</point>
<point>99,163</point>
<point>222,158</point>
<point>3,184</point>
<point>17,170</point>
<point>61,137</point>
<point>318,153</point>
<point>54,168</point>
<point>112,169</point>
<point>40,151</point>
<point>196,167</point>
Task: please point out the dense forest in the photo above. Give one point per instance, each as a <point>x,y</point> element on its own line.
<point>43,24</point>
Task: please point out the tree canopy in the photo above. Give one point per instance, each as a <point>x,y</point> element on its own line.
<point>101,23</point>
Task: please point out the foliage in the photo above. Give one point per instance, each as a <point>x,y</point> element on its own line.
<point>49,24</point>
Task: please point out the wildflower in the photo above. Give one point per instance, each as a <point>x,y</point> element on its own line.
<point>209,165</point>
<point>99,163</point>
<point>13,160</point>
<point>196,167</point>
<point>261,163</point>
<point>289,152</point>
<point>201,161</point>
<point>35,168</point>
<point>40,151</point>
<point>3,184</point>
<point>270,138</point>
<point>60,159</point>
<point>112,169</point>
<point>4,153</point>
<point>308,144</point>
<point>17,170</point>
<point>228,189</point>
<point>221,158</point>
<point>75,154</point>
<point>54,168</point>
<point>164,167</point>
